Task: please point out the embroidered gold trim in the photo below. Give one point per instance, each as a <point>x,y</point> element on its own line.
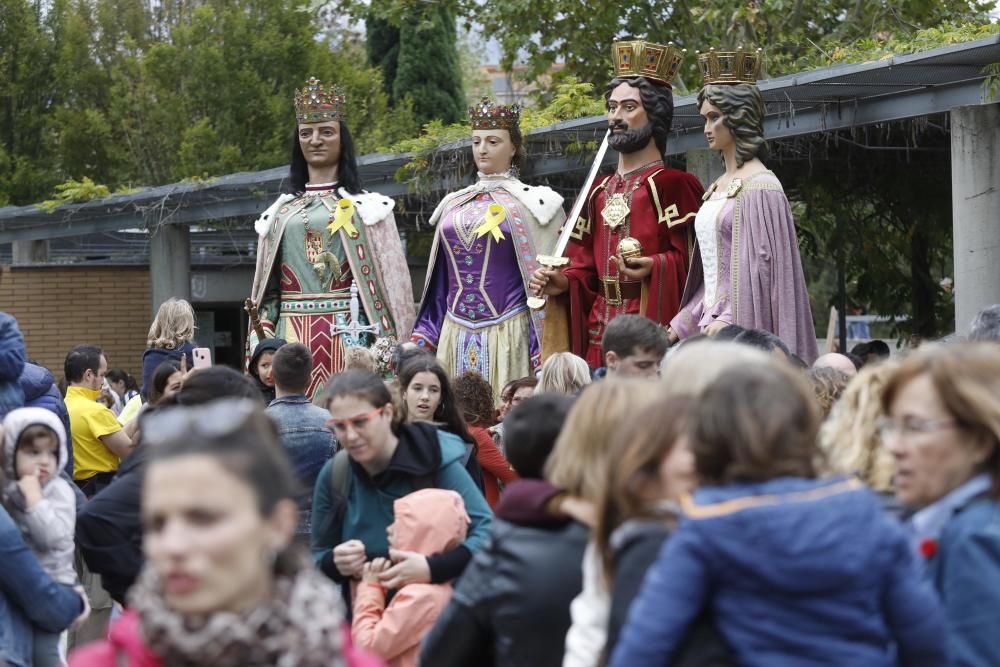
<point>740,504</point>
<point>581,229</point>
<point>671,214</point>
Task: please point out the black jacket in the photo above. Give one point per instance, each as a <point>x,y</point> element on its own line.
<point>109,528</point>
<point>511,606</point>
<point>635,546</point>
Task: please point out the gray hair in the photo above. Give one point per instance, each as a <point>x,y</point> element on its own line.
<point>563,373</point>
<point>742,108</point>
<point>986,325</point>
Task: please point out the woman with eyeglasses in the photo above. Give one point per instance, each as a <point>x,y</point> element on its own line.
<point>382,459</point>
<point>223,584</point>
<point>942,428</point>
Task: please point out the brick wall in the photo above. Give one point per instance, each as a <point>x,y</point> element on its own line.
<point>59,307</point>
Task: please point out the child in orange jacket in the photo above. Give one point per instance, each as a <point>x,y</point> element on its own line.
<point>427,522</point>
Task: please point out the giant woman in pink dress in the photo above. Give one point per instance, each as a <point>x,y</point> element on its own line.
<point>745,268</point>
<point>474,313</point>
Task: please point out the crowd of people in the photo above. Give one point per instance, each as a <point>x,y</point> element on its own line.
<point>715,502</point>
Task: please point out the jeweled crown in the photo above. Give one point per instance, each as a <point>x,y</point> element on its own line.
<point>654,61</point>
<point>317,103</point>
<point>486,115</point>
<point>727,67</point>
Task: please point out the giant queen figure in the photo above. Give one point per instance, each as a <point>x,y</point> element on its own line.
<point>474,311</point>
<point>746,267</point>
<point>628,251</point>
<point>325,237</point>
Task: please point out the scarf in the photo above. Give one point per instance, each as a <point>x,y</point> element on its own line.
<point>299,625</point>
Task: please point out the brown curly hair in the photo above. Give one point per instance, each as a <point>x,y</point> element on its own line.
<point>474,398</point>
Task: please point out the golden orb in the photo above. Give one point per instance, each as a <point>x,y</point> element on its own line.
<point>629,248</point>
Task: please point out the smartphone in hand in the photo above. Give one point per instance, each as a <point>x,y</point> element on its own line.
<point>202,357</point>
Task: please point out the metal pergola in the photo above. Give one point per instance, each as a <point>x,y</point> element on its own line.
<point>115,230</point>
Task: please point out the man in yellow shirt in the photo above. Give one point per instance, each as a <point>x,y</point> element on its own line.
<point>99,442</point>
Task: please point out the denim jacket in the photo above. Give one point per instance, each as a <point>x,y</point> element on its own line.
<point>309,444</point>
<point>29,598</point>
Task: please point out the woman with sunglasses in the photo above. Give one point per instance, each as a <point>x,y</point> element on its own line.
<point>223,584</point>
<point>382,459</point>
<point>943,430</point>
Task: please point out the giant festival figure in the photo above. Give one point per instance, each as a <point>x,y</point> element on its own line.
<point>325,237</point>
<point>745,268</point>
<point>628,251</point>
<point>474,311</point>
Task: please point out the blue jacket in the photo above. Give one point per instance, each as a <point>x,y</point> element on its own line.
<point>796,573</point>
<point>309,443</point>
<point>29,598</point>
<point>40,391</point>
<point>423,451</point>
<point>12,358</point>
<point>966,572</point>
<point>154,356</point>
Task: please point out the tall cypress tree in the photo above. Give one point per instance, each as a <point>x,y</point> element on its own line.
<point>382,42</point>
<point>427,67</point>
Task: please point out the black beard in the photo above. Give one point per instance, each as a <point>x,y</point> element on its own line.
<point>630,140</point>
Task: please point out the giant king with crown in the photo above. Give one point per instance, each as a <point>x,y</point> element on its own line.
<point>322,237</point>
<point>628,250</point>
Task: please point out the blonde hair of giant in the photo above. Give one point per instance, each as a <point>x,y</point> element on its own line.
<point>578,462</point>
<point>173,325</point>
<point>563,373</point>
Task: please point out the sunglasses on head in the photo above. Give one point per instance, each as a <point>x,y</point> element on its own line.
<point>211,420</point>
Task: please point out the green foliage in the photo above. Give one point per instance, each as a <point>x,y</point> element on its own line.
<point>885,45</point>
<point>382,44</point>
<point>992,82</point>
<point>75,192</point>
<point>572,99</point>
<point>579,34</point>
<point>127,91</point>
<point>427,68</point>
<point>882,214</point>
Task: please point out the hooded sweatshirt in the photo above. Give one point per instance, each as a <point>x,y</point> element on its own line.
<point>268,345</point>
<point>48,526</point>
<point>40,391</point>
<point>429,521</point>
<point>795,572</point>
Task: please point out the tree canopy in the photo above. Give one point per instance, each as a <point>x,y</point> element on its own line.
<point>134,92</point>
<point>793,33</point>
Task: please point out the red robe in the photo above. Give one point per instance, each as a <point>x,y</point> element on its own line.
<point>663,205</point>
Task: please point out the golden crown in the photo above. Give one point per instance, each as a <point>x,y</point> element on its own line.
<point>724,67</point>
<point>486,115</point>
<point>317,103</point>
<point>640,58</point>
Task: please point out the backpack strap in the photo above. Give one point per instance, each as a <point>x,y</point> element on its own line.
<point>340,474</point>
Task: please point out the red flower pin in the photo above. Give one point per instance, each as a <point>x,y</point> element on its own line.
<point>928,548</point>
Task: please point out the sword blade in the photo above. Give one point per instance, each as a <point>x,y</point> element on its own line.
<point>581,200</point>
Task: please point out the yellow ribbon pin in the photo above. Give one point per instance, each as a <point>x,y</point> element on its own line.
<point>495,214</point>
<point>342,218</point>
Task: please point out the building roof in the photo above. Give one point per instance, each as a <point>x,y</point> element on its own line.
<point>830,98</point>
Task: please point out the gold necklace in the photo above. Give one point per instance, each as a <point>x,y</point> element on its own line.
<point>618,206</point>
